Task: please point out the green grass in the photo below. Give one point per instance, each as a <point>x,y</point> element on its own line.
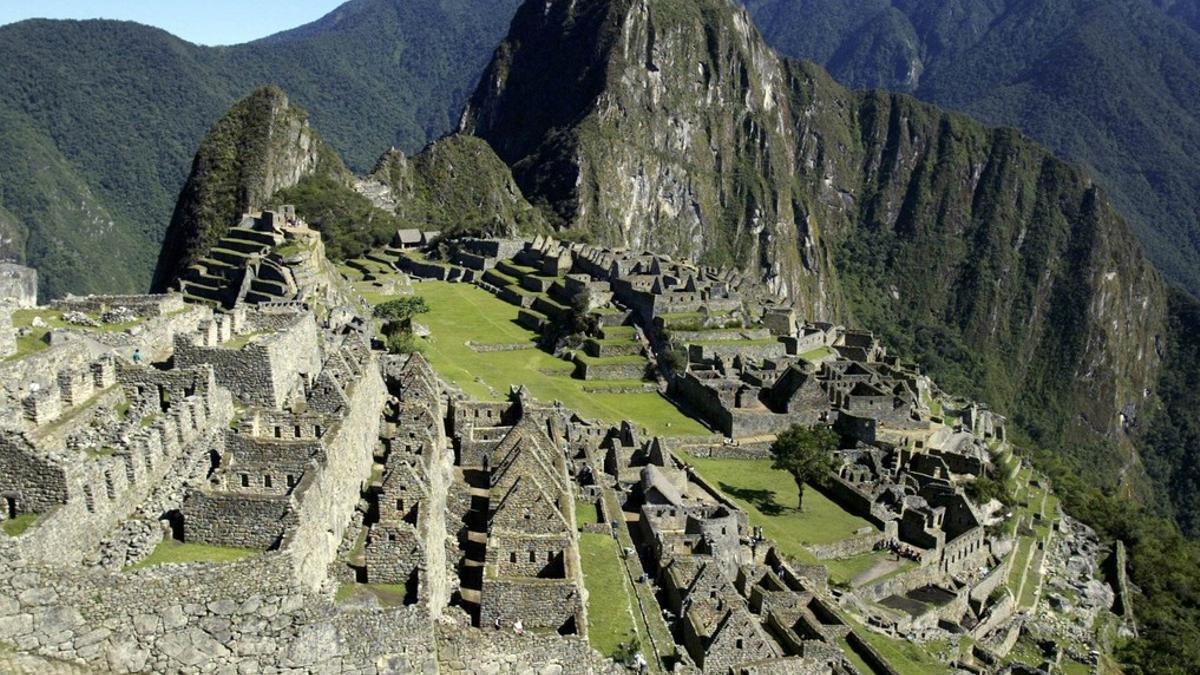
<point>586,512</point>
<point>32,343</point>
<point>907,657</point>
<point>631,360</point>
<point>769,497</point>
<point>171,551</point>
<point>461,312</point>
<point>814,355</point>
<point>854,657</point>
<point>239,341</point>
<point>610,611</point>
<point>843,570</point>
<point>15,527</point>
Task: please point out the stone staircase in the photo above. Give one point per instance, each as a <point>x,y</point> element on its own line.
<point>239,267</point>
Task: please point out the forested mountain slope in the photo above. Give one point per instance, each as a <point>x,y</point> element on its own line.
<point>1111,83</point>
<point>101,118</point>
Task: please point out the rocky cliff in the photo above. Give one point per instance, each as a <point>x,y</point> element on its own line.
<point>671,125</point>
<point>261,146</point>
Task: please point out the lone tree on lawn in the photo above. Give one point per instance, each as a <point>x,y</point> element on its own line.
<point>397,323</point>
<point>397,314</point>
<point>807,454</point>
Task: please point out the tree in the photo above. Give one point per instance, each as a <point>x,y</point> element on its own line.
<point>397,314</point>
<point>807,454</point>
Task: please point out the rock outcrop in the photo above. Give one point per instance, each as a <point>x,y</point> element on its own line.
<point>456,184</point>
<point>672,126</point>
<point>261,146</point>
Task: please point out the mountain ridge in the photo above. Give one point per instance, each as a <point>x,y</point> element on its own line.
<point>1040,66</point>
<point>72,85</point>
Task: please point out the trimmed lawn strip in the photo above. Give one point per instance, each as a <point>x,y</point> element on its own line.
<point>171,551</point>
<point>610,612</point>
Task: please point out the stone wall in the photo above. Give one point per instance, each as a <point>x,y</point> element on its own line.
<point>538,603</point>
<point>8,336</point>
<point>243,616</point>
<point>104,488</point>
<point>239,520</point>
<point>325,507</point>
<point>265,372</point>
<point>500,652</point>
<point>141,305</point>
<point>18,285</point>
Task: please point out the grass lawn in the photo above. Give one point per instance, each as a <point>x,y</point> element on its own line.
<point>586,512</point>
<point>14,527</point>
<point>239,341</point>
<point>28,344</point>
<point>171,551</point>
<point>461,312</point>
<point>610,613</point>
<point>815,355</point>
<point>389,595</point>
<point>908,658</point>
<point>844,570</point>
<point>769,496</point>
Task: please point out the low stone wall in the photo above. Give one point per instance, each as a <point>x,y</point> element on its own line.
<point>501,652</point>
<point>611,371</point>
<point>244,615</point>
<point>732,451</point>
<point>141,305</point>
<point>847,547</point>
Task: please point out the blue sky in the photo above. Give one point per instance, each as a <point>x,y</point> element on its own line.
<point>207,22</point>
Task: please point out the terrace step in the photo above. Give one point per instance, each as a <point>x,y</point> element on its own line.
<point>256,298</point>
<point>242,245</point>
<point>267,239</point>
<point>225,255</point>
<point>273,288</point>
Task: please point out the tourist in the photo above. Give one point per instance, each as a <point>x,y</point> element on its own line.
<point>518,627</point>
<point>639,662</point>
<point>137,356</point>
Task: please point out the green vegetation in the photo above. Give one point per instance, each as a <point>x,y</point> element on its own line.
<point>33,342</point>
<point>1097,82</point>
<point>610,611</point>
<point>14,527</point>
<point>260,136</point>
<point>397,318</point>
<point>586,512</point>
<point>805,453</point>
<point>140,100</point>
<point>758,488</point>
<point>458,185</point>
<point>461,314</point>
<point>349,224</point>
<point>172,551</point>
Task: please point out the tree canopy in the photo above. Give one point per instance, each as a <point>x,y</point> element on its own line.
<point>807,454</point>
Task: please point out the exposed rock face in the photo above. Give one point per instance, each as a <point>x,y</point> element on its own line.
<point>261,146</point>
<point>672,126</point>
<point>455,184</point>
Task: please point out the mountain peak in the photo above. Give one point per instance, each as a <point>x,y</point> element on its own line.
<point>262,145</point>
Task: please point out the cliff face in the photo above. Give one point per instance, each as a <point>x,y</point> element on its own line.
<point>262,145</point>
<point>671,125</point>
